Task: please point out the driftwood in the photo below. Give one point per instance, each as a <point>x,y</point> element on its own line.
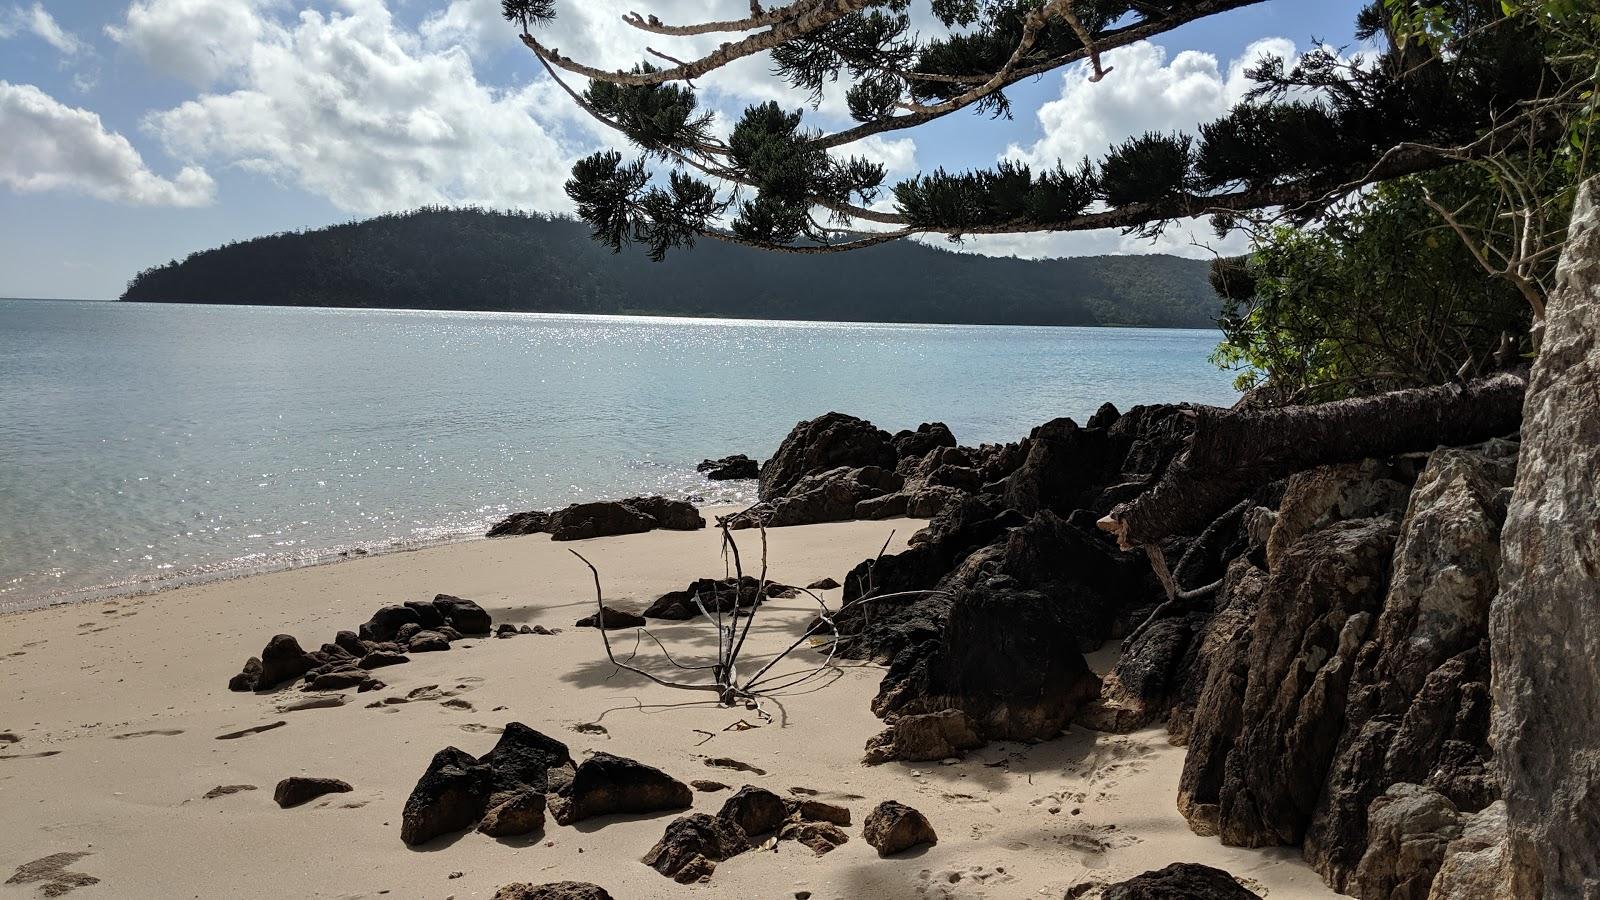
<point>1231,453</point>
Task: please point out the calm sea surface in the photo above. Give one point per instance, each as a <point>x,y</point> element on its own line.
<point>143,443</point>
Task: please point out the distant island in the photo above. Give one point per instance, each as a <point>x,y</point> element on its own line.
<point>475,259</point>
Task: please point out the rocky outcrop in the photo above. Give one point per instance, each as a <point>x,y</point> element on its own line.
<point>832,495</point>
<point>1409,829</point>
<point>636,515</point>
<point>827,442</point>
<point>928,436</point>
<point>559,890</point>
<point>1476,864</point>
<point>894,827</point>
<point>1180,881</point>
<point>730,468</point>
<point>459,791</point>
<point>1545,623</point>
<point>283,660</point>
<point>606,784</point>
<point>1418,696</point>
<point>534,522</point>
<point>724,594</point>
<point>298,789</point>
<point>925,737</point>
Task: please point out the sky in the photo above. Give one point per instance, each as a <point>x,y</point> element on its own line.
<point>133,132</point>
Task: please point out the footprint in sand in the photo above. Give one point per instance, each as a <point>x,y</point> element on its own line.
<point>1094,840</point>
<point>233,735</point>
<point>965,881</point>
<point>7,737</point>
<point>326,701</point>
<point>40,755</point>
<point>475,728</point>
<point>590,728</point>
<point>457,703</point>
<point>52,875</point>
<point>162,732</point>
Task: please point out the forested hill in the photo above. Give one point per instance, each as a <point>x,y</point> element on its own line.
<point>475,259</point>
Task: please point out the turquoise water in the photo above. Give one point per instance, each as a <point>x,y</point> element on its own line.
<point>143,443</point>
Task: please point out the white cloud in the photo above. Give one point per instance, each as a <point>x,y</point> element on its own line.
<point>50,146</point>
<point>1145,93</point>
<point>199,41</point>
<point>351,106</point>
<point>37,21</point>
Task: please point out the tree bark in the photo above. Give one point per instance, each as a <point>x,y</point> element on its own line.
<point>1231,453</point>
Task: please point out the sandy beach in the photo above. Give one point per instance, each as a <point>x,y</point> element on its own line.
<point>123,724</point>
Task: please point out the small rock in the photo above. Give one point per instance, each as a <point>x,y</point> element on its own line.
<point>296,790</point>
<point>224,790</point>
<point>692,846</point>
<point>894,828</point>
<point>820,837</point>
<point>755,810</point>
<point>823,584</point>
<point>463,615</point>
<point>614,619</point>
<point>1180,881</point>
<point>428,642</point>
<point>730,468</point>
<point>341,680</point>
<point>817,811</point>
<point>521,813</point>
<point>379,658</point>
<point>707,786</point>
<point>560,890</point>
<point>248,678</point>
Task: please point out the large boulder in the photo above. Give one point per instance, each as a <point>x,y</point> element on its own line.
<point>673,515</point>
<point>831,495</point>
<point>606,784</point>
<point>450,796</point>
<point>1476,864</point>
<point>1180,881</point>
<point>925,737</point>
<point>1418,696</point>
<point>610,619</point>
<point>495,791</point>
<point>917,444</point>
<point>386,623</point>
<point>724,594</point>
<point>534,522</point>
<point>635,515</point>
<point>894,827</point>
<point>1545,623</point>
<point>694,844</point>
<point>1064,464</point>
<point>826,442</point>
<point>283,660</point>
<point>755,810</point>
<point>1409,829</point>
<point>559,890</point>
<point>463,615</point>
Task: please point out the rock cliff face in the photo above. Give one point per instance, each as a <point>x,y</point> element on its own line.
<point>1545,623</point>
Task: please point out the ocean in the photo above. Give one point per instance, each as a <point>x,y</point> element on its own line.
<point>148,444</point>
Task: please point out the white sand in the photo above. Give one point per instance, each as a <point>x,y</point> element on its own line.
<point>128,699</point>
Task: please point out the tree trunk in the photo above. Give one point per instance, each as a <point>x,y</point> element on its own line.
<point>1231,453</point>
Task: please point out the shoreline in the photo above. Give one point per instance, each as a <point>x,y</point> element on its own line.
<point>125,726</point>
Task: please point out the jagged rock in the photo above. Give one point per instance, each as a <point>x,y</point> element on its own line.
<point>614,619</point>
<point>730,468</point>
<point>380,658</point>
<point>1318,608</point>
<point>351,643</point>
<point>673,515</point>
<point>822,584</point>
<point>283,660</point>
<point>1062,465</point>
<point>827,442</point>
<point>606,784</point>
<point>429,615</point>
<point>889,506</point>
<point>248,677</point>
<point>831,495</point>
<point>928,502</point>
<point>1148,675</point>
<point>1476,864</point>
<point>818,811</point>
<point>427,642</point>
<point>1104,417</point>
<point>1545,623</point>
<point>755,810</point>
<point>894,827</point>
<point>714,593</point>
<point>818,836</point>
<point>521,813</point>
<point>458,790</point>
<point>929,436</point>
<point>1409,827</point>
<point>463,615</point>
<point>924,737</point>
<point>386,623</point>
<point>559,890</point>
<point>1180,881</point>
<point>1319,497</point>
<point>961,478</point>
<point>535,522</point>
<point>406,633</point>
<point>506,630</point>
<point>1421,681</point>
<point>297,789</point>
<point>694,844</point>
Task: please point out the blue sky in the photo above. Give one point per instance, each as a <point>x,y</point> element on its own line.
<point>135,132</point>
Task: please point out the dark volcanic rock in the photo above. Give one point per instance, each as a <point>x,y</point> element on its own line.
<point>352,643</point>
<point>831,495</point>
<point>822,584</point>
<point>521,813</point>
<point>925,737</point>
<point>614,619</point>
<point>527,759</point>
<point>558,890</point>
<point>730,468</point>
<point>339,680</point>
<point>1063,463</point>
<point>1180,881</point>
<point>296,790</point>
<point>380,658</point>
<point>429,615</point>
<point>459,791</point>
<point>386,623</point>
<point>673,515</point>
<point>694,844</point>
<point>427,642</point>
<point>606,784</point>
<point>463,615</point>
<point>715,594</point>
<point>1317,610</point>
<point>894,827</point>
<point>450,796</point>
<point>827,442</point>
<point>632,516</point>
<point>755,810</point>
<point>283,660</point>
<point>928,436</point>
<point>248,677</point>
<point>820,837</point>
<point>534,522</point>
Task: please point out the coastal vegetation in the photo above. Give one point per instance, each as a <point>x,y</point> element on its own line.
<point>480,259</point>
